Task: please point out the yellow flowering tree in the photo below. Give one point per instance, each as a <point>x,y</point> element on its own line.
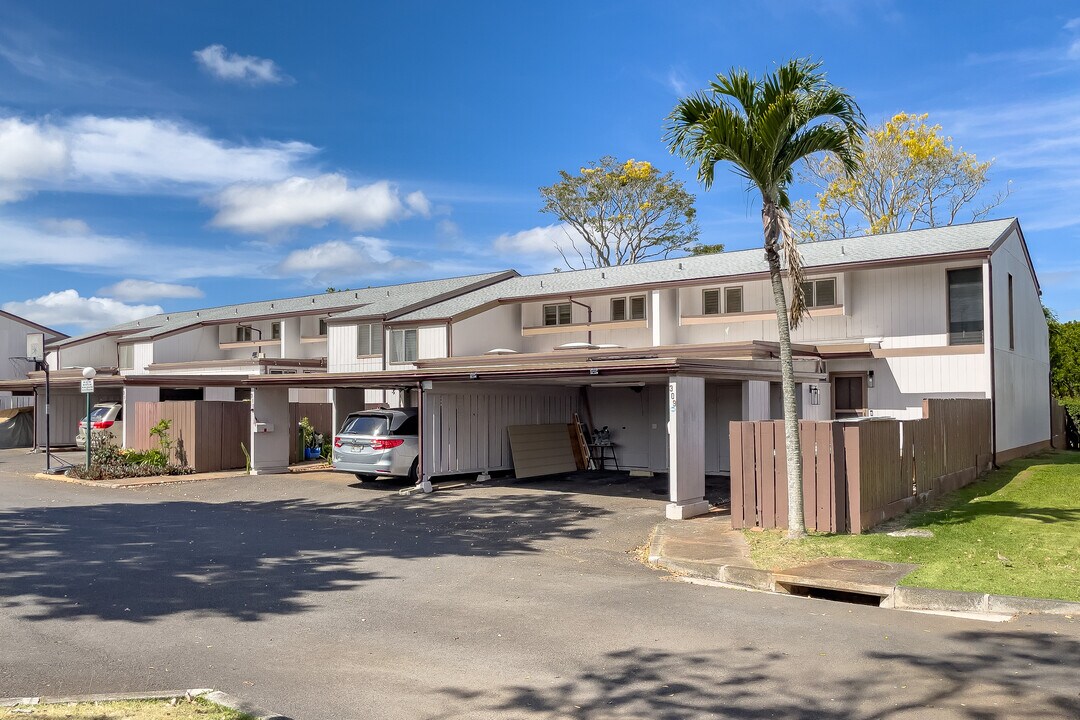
<point>619,213</point>
<point>909,176</point>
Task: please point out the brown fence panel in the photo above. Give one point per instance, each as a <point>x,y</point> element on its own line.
<point>321,416</point>
<point>1057,426</point>
<point>206,434</point>
<point>235,430</point>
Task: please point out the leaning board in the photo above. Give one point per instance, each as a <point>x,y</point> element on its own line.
<point>541,449</point>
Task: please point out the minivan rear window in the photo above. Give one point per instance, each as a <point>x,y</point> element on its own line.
<point>98,414</point>
<point>364,425</point>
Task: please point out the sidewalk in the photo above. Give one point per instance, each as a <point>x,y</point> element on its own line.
<point>707,547</point>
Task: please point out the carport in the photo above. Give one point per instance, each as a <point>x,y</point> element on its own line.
<point>665,413</point>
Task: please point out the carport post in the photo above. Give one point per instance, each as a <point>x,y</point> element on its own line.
<point>686,445</point>
<point>270,430</point>
<point>422,479</point>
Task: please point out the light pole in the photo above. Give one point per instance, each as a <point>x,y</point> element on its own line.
<point>88,373</point>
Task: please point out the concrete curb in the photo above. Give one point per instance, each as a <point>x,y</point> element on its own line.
<point>149,481</point>
<point>899,597</point>
<point>215,696</point>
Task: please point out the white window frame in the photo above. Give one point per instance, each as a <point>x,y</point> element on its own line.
<point>129,352</point>
<point>403,346</point>
<point>374,346</point>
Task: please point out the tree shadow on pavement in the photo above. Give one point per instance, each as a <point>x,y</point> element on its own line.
<point>140,561</point>
<point>983,676</point>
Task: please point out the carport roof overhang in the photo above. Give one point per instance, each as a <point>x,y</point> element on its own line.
<point>586,372</point>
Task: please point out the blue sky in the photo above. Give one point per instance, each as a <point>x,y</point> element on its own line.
<point>177,155</point>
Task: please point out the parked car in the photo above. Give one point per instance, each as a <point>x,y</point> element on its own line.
<point>384,443</point>
<point>106,418</point>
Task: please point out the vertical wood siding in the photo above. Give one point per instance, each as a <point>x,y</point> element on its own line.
<point>206,433</point>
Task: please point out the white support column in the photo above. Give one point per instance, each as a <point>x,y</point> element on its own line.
<point>756,400</point>
<point>656,318</point>
<point>133,395</point>
<point>686,443</point>
<point>269,430</point>
<point>290,337</point>
<point>346,400</point>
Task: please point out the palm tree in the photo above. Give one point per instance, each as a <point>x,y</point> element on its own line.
<point>763,127</point>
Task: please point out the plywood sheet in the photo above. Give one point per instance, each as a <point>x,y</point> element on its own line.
<point>541,449</point>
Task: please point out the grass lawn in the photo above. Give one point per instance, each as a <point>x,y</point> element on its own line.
<point>197,709</point>
<point>1015,532</point>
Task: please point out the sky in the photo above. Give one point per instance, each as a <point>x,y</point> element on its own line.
<point>180,155</point>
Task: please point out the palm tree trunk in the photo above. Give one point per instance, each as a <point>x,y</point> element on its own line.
<point>796,524</point>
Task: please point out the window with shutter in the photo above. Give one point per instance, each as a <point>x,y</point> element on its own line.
<point>965,306</point>
<point>559,314</point>
<point>363,340</point>
<point>376,339</point>
<point>618,308</point>
<point>710,302</point>
<point>637,307</point>
<point>733,300</point>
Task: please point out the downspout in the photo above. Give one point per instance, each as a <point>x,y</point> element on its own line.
<point>589,308</point>
<point>449,339</point>
<point>422,481</point>
<point>384,329</point>
<point>993,374</point>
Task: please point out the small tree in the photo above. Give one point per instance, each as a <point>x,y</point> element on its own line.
<point>908,176</point>
<point>621,213</point>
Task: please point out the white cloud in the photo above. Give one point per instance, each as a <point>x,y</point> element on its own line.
<point>65,226</point>
<point>448,229</point>
<point>312,202</point>
<point>129,155</point>
<point>146,151</point>
<point>68,308</point>
<point>139,290</point>
<point>540,246</point>
<point>338,260</point>
<point>418,203</point>
<point>29,152</point>
<point>80,248</point>
<point>233,67</point>
<point>677,83</point>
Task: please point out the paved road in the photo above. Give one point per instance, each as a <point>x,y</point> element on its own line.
<point>322,600</point>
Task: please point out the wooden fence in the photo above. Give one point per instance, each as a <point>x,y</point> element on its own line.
<point>207,433</point>
<point>321,416</point>
<point>857,474</point>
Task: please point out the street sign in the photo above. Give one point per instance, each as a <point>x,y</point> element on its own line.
<point>35,346</point>
<point>87,386</point>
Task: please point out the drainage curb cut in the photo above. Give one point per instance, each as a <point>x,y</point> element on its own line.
<point>214,696</point>
<point>900,597</point>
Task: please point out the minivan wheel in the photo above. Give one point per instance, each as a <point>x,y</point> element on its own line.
<point>361,476</point>
<point>414,471</point>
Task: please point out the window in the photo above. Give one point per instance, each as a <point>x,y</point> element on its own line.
<point>710,302</point>
<point>369,339</point>
<point>243,334</point>
<point>126,356</point>
<point>965,306</point>
<point>275,331</point>
<point>733,300</point>
<point>403,346</point>
<point>820,293</point>
<point>1012,327</point>
<point>619,308</point>
<point>322,327</point>
<point>557,314</point>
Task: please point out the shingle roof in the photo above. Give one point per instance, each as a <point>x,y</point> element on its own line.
<point>865,249</point>
<point>372,301</point>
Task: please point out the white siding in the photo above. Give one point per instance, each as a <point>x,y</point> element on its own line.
<point>499,327</point>
<point>1022,386</point>
<point>13,345</point>
<point>431,342</point>
<point>143,355</point>
<point>465,426</point>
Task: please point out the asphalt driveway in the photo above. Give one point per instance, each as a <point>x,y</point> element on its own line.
<point>319,598</point>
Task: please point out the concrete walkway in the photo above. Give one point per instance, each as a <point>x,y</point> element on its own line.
<point>708,548</point>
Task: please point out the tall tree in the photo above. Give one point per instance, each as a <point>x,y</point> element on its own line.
<point>619,213</point>
<point>909,176</point>
<point>763,127</point>
<point>1064,357</point>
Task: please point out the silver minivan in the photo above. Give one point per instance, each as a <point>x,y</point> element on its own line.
<point>378,442</point>
<point>107,419</point>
